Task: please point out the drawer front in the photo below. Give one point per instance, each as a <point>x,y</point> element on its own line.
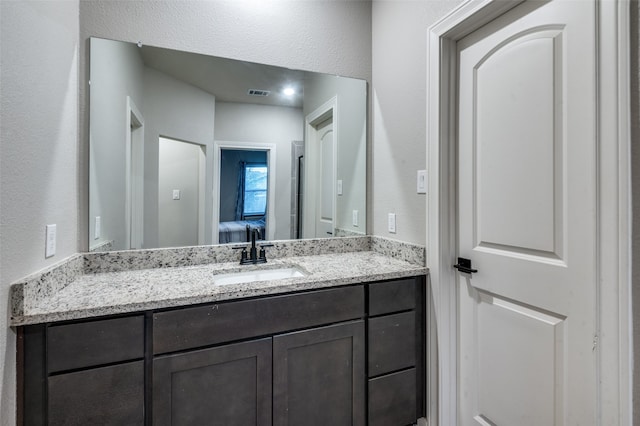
<point>392,343</point>
<point>207,325</point>
<point>111,395</point>
<point>93,343</point>
<point>392,296</point>
<point>392,399</point>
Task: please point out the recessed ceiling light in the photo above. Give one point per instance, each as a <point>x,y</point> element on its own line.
<point>289,91</point>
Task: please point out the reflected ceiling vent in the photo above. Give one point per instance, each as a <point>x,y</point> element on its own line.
<point>257,92</point>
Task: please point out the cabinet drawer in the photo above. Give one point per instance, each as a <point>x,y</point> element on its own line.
<point>207,325</point>
<point>392,296</point>
<point>392,343</point>
<point>392,399</point>
<point>111,395</point>
<point>92,343</point>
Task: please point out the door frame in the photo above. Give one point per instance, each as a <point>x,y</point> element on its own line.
<point>613,213</point>
<point>270,148</point>
<point>134,176</point>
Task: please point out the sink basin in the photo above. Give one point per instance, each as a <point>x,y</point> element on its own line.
<point>257,275</point>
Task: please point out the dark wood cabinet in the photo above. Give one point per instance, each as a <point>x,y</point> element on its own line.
<point>112,395</point>
<point>89,372</point>
<point>351,356</point>
<point>319,376</point>
<point>222,386</point>
<point>396,350</point>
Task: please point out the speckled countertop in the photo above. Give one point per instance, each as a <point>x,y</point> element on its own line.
<point>82,290</point>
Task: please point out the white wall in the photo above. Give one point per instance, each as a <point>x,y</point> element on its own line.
<point>179,111</point>
<point>399,61</point>
<point>236,122</point>
<point>116,72</point>
<point>38,152</point>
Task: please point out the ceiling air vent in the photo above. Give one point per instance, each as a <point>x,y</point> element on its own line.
<point>257,92</point>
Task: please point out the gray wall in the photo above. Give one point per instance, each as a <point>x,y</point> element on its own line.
<point>116,72</point>
<point>38,152</point>
<point>179,167</point>
<point>352,144</point>
<point>179,111</point>
<point>399,112</point>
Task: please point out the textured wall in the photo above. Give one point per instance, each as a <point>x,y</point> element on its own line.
<point>399,67</point>
<point>38,152</point>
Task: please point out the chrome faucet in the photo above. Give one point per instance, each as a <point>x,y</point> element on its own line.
<point>253,256</point>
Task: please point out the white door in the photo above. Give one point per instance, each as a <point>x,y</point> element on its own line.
<point>527,217</point>
<point>326,180</point>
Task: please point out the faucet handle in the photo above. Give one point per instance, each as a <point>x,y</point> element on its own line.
<point>243,255</point>
<point>263,253</point>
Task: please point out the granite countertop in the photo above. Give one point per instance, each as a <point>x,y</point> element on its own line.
<point>93,293</point>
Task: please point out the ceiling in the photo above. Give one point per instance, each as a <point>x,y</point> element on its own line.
<point>228,79</point>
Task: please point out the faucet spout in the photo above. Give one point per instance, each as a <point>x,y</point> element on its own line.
<point>253,256</point>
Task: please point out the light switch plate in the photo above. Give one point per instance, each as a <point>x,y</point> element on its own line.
<point>50,241</point>
<point>176,194</point>
<point>392,223</point>
<point>355,218</point>
<point>339,187</point>
<point>422,182</point>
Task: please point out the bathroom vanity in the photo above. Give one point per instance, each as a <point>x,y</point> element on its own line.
<point>313,350</point>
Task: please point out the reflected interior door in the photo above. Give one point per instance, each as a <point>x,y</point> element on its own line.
<point>527,217</point>
<point>325,193</point>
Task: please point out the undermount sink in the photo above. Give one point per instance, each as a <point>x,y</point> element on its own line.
<point>257,275</point>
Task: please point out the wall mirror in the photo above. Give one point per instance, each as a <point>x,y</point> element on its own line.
<point>189,149</point>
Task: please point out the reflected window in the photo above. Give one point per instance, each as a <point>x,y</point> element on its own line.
<point>255,190</point>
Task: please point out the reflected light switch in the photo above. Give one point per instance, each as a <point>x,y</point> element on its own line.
<point>176,194</point>
<point>339,187</point>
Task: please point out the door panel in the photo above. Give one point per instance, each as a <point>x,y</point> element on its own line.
<point>512,339</point>
<point>526,211</point>
<point>518,119</point>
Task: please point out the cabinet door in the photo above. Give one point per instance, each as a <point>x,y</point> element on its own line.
<point>319,376</point>
<point>226,386</point>
<point>112,395</point>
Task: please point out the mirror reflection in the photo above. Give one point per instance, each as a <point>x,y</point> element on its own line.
<point>189,149</point>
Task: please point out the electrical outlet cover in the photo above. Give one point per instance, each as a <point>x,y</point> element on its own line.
<point>50,244</point>
<point>392,223</point>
